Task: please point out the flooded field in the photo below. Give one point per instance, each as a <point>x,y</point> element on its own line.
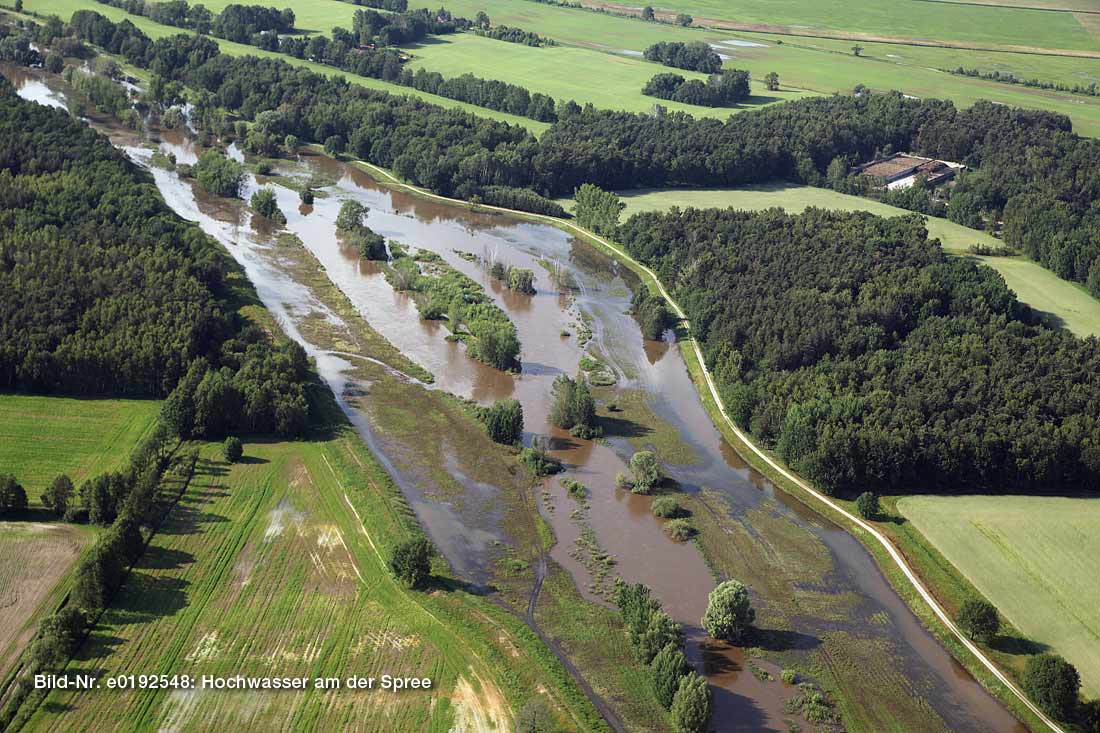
<point>823,605</point>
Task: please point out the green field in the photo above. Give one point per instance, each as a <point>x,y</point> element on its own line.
<point>606,80</point>
<point>1069,303</point>
<point>897,19</point>
<point>1033,557</point>
<point>275,566</point>
<point>41,437</point>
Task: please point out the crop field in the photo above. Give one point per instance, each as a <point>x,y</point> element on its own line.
<point>274,567</point>
<point>34,560</point>
<point>1032,557</point>
<point>606,80</point>
<point>41,437</point>
<point>954,22</point>
<point>65,9</point>
<point>1068,303</point>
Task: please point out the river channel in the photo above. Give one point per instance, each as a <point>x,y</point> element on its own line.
<point>844,603</point>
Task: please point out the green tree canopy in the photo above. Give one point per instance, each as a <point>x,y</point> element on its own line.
<point>729,612</point>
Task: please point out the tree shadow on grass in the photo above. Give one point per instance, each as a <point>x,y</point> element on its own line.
<point>164,558</point>
<point>1017,645</point>
<point>617,427</point>
<point>782,640</point>
<point>148,597</point>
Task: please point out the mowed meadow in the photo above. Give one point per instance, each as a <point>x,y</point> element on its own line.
<point>274,566</point>
<point>41,437</point>
<point>1066,303</point>
<point>1033,557</point>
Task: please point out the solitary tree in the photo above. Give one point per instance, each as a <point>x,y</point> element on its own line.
<point>232,449</point>
<point>351,216</point>
<point>264,203</point>
<point>771,80</point>
<point>1053,683</point>
<point>867,504</point>
<point>684,19</point>
<point>668,667</point>
<point>645,470</point>
<point>647,13</point>
<point>504,421</point>
<point>729,612</point>
<point>857,50</point>
<point>691,705</point>
<point>334,145</point>
<point>412,561</point>
<point>979,619</point>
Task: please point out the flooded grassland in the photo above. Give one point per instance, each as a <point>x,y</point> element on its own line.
<point>823,607</point>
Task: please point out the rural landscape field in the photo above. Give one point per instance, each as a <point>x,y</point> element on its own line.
<point>540,365</point>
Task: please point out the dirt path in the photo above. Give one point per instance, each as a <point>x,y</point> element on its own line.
<point>879,537</point>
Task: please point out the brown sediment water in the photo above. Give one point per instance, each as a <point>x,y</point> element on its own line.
<point>620,521</point>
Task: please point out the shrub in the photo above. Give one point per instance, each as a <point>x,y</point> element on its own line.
<point>412,561</point>
<point>729,612</point>
<point>538,460</point>
<point>868,506</point>
<point>13,498</point>
<point>575,488</point>
<point>680,529</point>
<point>232,449</point>
<point>306,196</point>
<point>789,676</point>
<point>666,507</point>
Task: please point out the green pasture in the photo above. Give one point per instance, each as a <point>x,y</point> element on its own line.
<point>1033,557</point>
<point>569,72</point>
<point>1069,304</point>
<point>895,19</point>
<point>41,437</point>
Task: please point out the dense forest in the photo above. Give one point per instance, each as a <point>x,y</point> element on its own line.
<point>870,360</point>
<point>105,290</point>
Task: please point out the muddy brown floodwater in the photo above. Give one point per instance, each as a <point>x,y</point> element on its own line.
<point>619,523</point>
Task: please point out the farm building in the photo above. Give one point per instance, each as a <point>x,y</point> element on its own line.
<point>901,170</point>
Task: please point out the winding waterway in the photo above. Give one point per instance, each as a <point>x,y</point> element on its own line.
<point>860,607</point>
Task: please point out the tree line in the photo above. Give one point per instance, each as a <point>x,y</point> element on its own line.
<point>868,359</point>
<point>106,291</point>
<point>720,90</point>
<point>513,35</point>
<point>236,22</point>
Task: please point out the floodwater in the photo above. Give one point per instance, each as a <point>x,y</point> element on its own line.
<point>620,521</point>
